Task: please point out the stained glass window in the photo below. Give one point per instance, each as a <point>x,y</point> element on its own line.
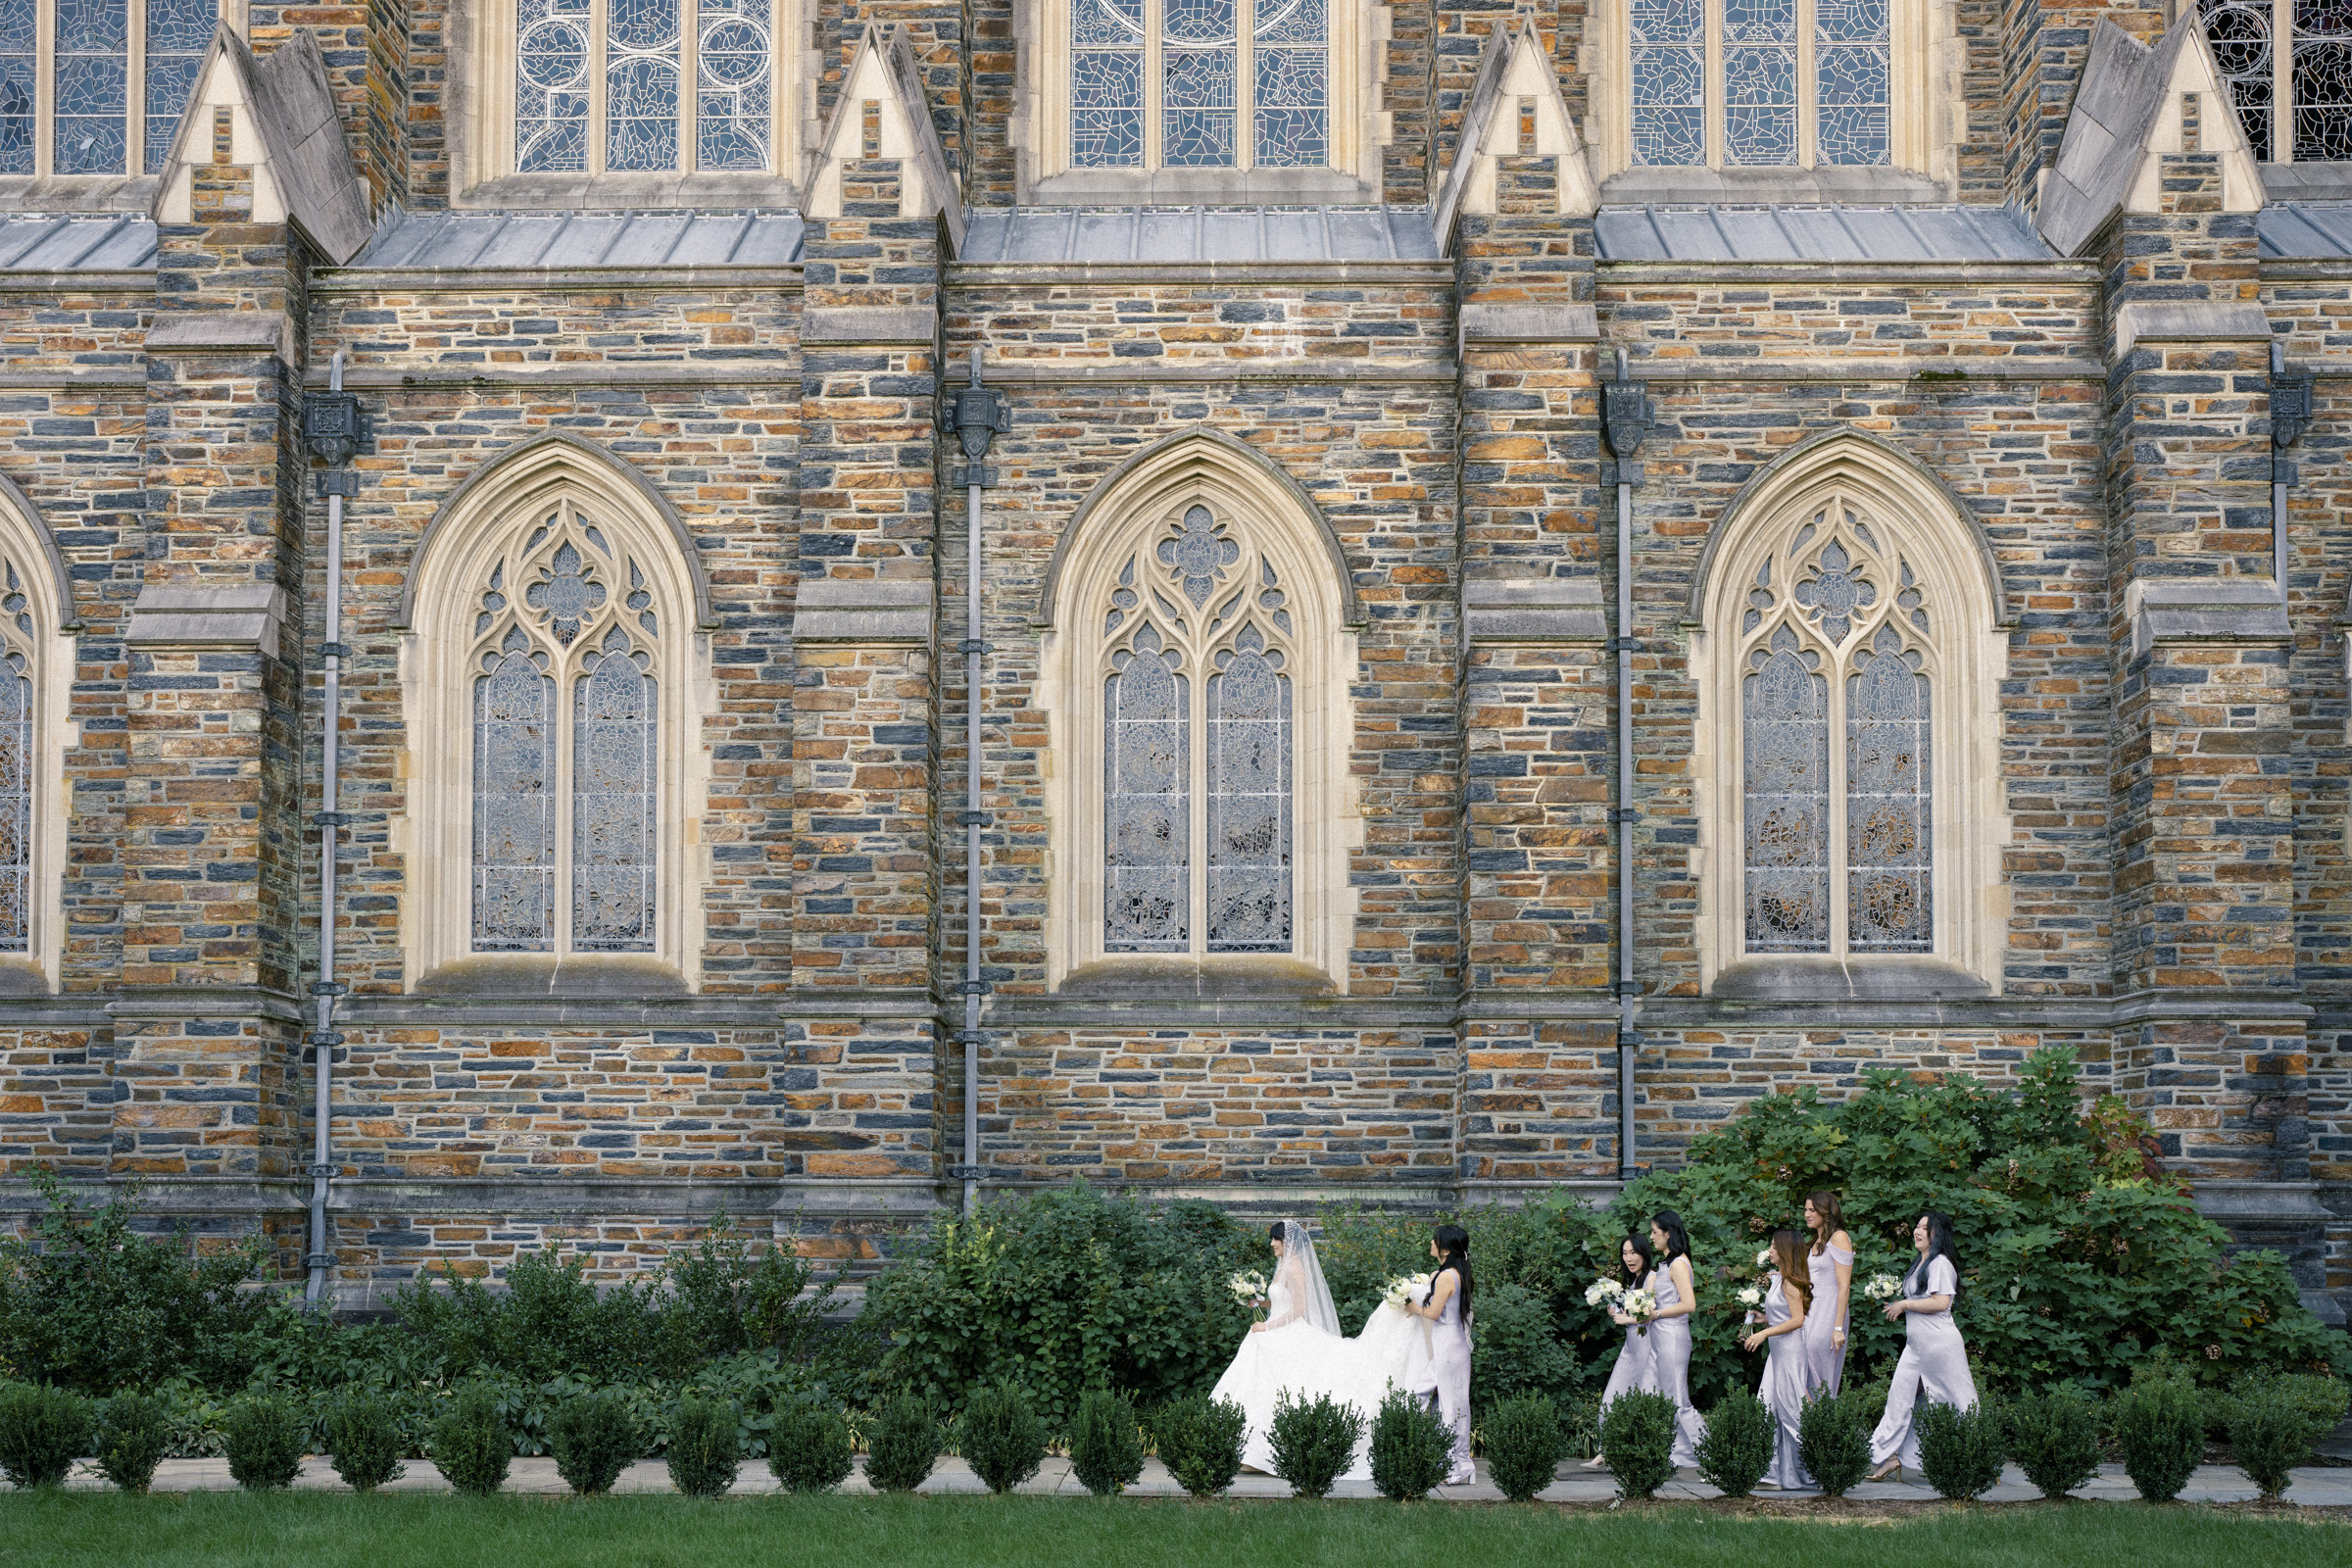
<point>1888,799</point>
<point>178,31</point>
<point>92,84</point>
<point>513,807</point>
<point>1174,83</point>
<point>97,87</point>
<point>644,53</point>
<point>2288,64</point>
<point>1756,69</point>
<point>1146,788</point>
<point>1784,712</point>
<point>1249,799</point>
<point>15,800</point>
<point>20,68</point>
<point>613,777</point>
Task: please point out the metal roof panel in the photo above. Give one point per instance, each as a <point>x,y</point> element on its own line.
<point>1043,235</point>
<point>1815,233</point>
<point>458,240</point>
<point>2314,230</point>
<point>57,242</point>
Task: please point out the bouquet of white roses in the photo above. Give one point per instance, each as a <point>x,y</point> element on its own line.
<point>1604,1289</point>
<point>1764,1258</point>
<point>1639,1306</point>
<point>1405,1287</point>
<point>1882,1288</point>
<point>1248,1289</point>
<point>1751,1296</point>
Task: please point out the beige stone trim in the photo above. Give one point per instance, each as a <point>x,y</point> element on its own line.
<point>1127,522</point>
<point>34,640</point>
<point>488,525</point>
<point>1965,652</point>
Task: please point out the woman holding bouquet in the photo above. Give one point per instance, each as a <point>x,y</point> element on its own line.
<point>1447,1309</point>
<point>1636,1363</point>
<point>1298,1348</point>
<point>1830,1282</point>
<point>1786,1379</point>
<point>1670,1329</point>
<point>1935,1363</point>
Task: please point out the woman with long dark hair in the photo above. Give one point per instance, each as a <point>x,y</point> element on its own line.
<point>1785,1378</point>
<point>1448,1308</point>
<point>1670,1329</point>
<point>1935,1363</point>
<point>1830,1274</point>
<point>1637,1361</point>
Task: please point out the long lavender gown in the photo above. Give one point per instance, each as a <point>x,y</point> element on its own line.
<point>1787,1376</point>
<point>1670,1338</point>
<point>1824,1358</point>
<point>1637,1367</point>
<point>1933,1369</point>
<point>1449,1351</point>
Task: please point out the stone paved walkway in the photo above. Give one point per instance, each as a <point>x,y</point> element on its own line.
<point>2315,1487</point>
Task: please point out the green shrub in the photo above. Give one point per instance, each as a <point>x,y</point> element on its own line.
<point>1313,1441</point>
<point>594,1438</point>
<point>1003,1440</point>
<point>1201,1441</point>
<point>470,1444</point>
<point>903,1445</point>
<point>809,1448</point>
<point>1106,1448</point>
<point>1636,1439</point>
<point>2270,1435</point>
<point>363,1442</point>
<point>1524,1444</point>
<point>2159,1431</point>
<point>2054,1436</point>
<point>264,1437</point>
<point>2319,1400</point>
<point>134,1434</point>
<point>1412,1447</point>
<point>1832,1444</point>
<point>1518,1347</point>
<point>1960,1451</point>
<point>1736,1450</point>
<point>706,1447</point>
<point>43,1429</point>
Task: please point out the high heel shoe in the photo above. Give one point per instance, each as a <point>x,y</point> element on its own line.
<point>1597,1462</point>
<point>1891,1470</point>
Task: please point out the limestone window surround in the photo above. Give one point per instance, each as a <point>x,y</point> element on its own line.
<point>1766,546</point>
<point>1279,532</point>
<point>482,94</point>
<point>470,589</point>
<point>1358,127</point>
<point>37,649</point>
<point>1926,119</point>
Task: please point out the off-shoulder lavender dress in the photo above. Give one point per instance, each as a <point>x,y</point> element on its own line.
<point>1824,1358</point>
<point>1787,1379</point>
<point>1933,1369</point>
<point>1670,1344</point>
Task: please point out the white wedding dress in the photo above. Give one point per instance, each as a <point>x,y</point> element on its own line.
<point>1300,1350</point>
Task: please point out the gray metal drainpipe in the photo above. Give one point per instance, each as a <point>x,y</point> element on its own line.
<point>1625,417</point>
<point>332,429</point>
<point>2291,416</point>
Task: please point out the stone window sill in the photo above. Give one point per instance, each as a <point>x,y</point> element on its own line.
<point>1806,977</point>
<point>508,975</point>
<point>1141,977</point>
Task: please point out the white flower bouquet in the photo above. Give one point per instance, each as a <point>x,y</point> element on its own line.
<point>1882,1288</point>
<point>1639,1305</point>
<point>1405,1287</point>
<point>1751,1296</point>
<point>1248,1289</point>
<point>1604,1289</point>
<point>1764,1258</point>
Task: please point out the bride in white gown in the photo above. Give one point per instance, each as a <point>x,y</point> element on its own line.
<point>1299,1349</point>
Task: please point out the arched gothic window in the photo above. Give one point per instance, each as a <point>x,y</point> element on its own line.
<point>554,635</point>
<point>1848,653</point>
<point>2289,68</point>
<point>36,670</point>
<point>86,84</point>
<point>1198,672</point>
<point>1200,83</point>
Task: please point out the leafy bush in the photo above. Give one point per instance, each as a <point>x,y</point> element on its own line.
<point>1064,1292</point>
<point>594,1437</point>
<point>1314,1443</point>
<point>1106,1449</point>
<point>91,1305</point>
<point>134,1434</point>
<point>1736,1450</point>
<point>2274,1421</point>
<point>363,1442</point>
<point>43,1429</point>
<point>1412,1447</point>
<point>903,1445</point>
<point>1960,1451</point>
<point>1518,1348</point>
<point>705,1448</point>
<point>1201,1442</point>
<point>1636,1439</point>
<point>2319,1398</point>
<point>2054,1436</point>
<point>1833,1443</point>
<point>809,1448</point>
<point>266,1438</point>
<point>2159,1431</point>
<point>471,1446</point>
<point>1524,1444</point>
<point>1003,1440</point>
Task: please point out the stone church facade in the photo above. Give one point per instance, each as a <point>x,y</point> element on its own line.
<point>1541,574</point>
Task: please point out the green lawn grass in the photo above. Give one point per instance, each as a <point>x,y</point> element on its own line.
<point>331,1530</point>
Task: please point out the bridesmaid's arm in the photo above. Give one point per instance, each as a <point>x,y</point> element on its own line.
<point>1439,1292</point>
<point>1845,1286</point>
<point>1680,1272</point>
<point>1789,1325</point>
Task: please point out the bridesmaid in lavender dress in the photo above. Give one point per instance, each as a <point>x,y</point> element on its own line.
<point>1636,1363</point>
<point>1448,1310</point>
<point>1829,1268</point>
<point>1935,1363</point>
<point>1784,1375</point>
<point>1670,1329</point>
